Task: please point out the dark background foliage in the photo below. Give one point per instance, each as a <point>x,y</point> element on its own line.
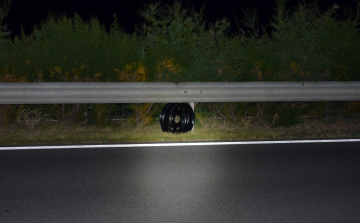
<point>175,43</point>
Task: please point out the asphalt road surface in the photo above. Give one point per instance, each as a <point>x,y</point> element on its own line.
<point>312,182</point>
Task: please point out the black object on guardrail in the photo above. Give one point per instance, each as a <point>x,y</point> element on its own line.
<point>177,118</point>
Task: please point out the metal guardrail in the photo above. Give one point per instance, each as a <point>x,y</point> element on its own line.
<point>165,92</point>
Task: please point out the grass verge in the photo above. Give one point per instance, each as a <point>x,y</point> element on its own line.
<point>215,131</point>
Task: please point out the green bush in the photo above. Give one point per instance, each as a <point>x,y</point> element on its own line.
<point>180,47</point>
<point>68,49</point>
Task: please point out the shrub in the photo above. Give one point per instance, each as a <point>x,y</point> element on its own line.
<point>179,47</point>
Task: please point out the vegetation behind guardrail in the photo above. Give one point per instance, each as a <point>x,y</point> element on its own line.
<point>175,44</point>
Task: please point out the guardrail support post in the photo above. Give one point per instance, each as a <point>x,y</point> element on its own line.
<point>192,104</point>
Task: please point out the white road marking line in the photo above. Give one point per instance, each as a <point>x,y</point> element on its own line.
<point>178,144</point>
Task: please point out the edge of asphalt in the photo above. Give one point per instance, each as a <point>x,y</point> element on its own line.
<point>190,143</point>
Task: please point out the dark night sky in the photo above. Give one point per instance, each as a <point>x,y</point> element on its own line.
<point>28,13</point>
